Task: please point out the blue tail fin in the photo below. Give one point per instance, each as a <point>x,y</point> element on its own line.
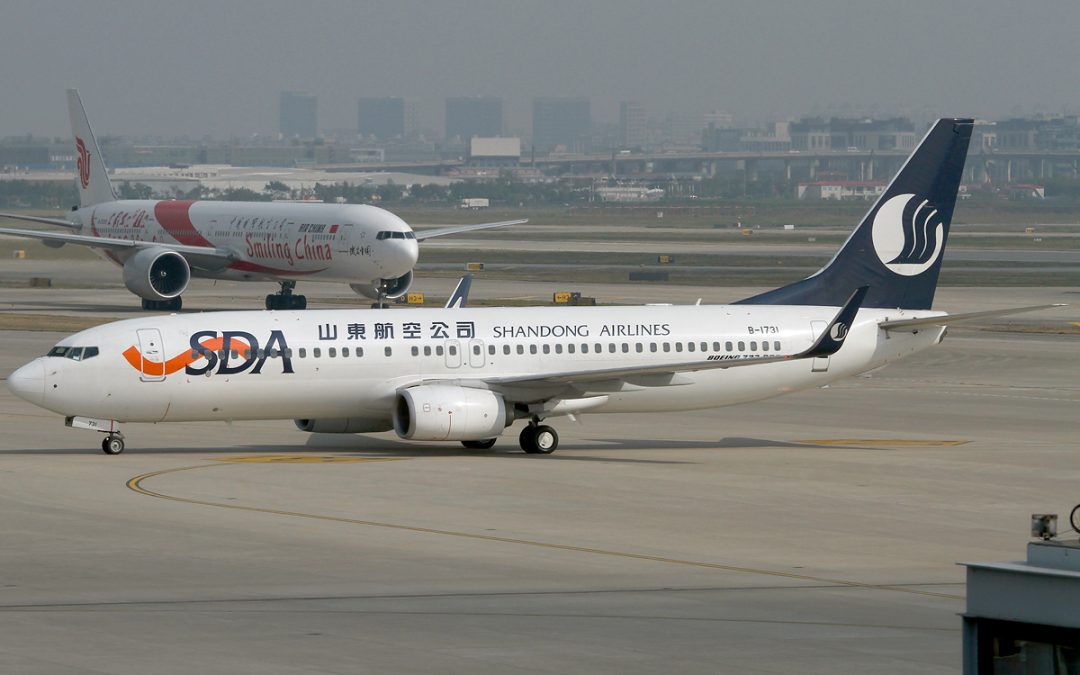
<point>898,247</point>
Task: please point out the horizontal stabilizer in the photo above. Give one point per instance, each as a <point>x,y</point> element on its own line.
<point>945,319</point>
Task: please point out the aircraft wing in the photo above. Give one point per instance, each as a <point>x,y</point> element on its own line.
<point>945,319</point>
<point>39,219</point>
<point>443,231</point>
<point>828,343</point>
<point>206,252</point>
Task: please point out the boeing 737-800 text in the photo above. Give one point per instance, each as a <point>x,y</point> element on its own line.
<point>161,245</point>
<point>466,374</point>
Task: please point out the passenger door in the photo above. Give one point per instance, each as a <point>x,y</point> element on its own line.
<point>152,355</point>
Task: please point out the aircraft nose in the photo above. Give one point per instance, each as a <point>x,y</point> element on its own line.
<point>401,256</point>
<point>28,382</point>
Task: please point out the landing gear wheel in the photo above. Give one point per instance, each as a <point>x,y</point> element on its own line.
<point>479,445</point>
<point>539,440</point>
<point>170,305</point>
<point>285,299</point>
<point>113,444</point>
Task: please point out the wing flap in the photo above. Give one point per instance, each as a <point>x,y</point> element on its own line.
<point>60,222</point>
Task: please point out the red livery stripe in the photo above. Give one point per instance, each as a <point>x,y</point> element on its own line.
<point>174,218</point>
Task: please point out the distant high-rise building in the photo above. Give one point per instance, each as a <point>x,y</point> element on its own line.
<point>632,131</point>
<point>561,121</point>
<point>297,114</point>
<point>383,118</point>
<point>469,116</point>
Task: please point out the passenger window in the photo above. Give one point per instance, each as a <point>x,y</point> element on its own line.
<point>332,352</point>
<point>303,353</point>
<point>316,352</point>
<point>247,354</point>
<point>427,350</point>
<point>506,350</point>
<point>715,347</point>
<point>728,346</point>
<point>288,353</point>
<point>415,351</point>
<point>491,350</point>
<point>359,351</point>
<point>221,354</point>
<point>611,347</point>
<point>532,349</point>
<point>598,348</point>
<point>764,346</point>
<point>558,349</point>
<point>753,345</point>
<point>625,348</point>
<point>638,347</point>
<point>521,349</point>
<point>776,346</point>
<point>689,346</point>
<point>667,346</point>
<point>438,350</point>
<point>678,346</point>
<point>570,348</point>
<point>742,346</point>
<point>344,351</point>
<point>388,351</point>
<point>704,346</point>
<point>274,353</point>
<point>452,350</point>
<point>584,348</point>
<point>194,353</point>
<point>235,354</point>
<point>547,349</point>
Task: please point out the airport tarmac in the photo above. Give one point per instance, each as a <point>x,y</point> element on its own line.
<point>813,533</point>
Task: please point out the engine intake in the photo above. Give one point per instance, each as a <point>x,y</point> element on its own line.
<point>449,413</point>
<point>344,425</point>
<point>156,274</point>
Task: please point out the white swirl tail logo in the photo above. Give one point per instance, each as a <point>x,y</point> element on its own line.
<point>838,332</point>
<point>908,234</point>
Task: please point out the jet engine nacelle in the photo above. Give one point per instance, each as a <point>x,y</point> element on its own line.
<point>156,274</point>
<point>448,413</point>
<point>390,288</point>
<point>344,425</point>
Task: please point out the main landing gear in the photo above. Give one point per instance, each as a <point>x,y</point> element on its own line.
<point>113,444</point>
<point>538,439</point>
<point>285,299</point>
<point>479,445</point>
<point>170,305</point>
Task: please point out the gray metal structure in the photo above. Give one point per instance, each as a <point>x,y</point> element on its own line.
<point>1024,616</point>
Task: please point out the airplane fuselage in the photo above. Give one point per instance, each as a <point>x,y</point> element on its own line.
<point>266,241</point>
<point>352,363</point>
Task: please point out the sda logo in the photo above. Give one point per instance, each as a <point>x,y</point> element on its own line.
<point>838,332</point>
<point>908,234</point>
<point>239,346</point>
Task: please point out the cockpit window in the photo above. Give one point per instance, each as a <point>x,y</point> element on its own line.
<point>73,353</point>
<point>390,234</point>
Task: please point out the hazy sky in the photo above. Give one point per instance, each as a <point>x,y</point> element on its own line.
<point>195,67</point>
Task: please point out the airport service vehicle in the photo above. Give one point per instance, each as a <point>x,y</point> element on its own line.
<point>466,374</point>
<point>162,244</point>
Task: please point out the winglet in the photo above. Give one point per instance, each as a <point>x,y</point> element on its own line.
<point>832,338</point>
<point>460,295</point>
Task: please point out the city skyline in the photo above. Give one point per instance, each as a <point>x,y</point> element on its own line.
<point>218,69</point>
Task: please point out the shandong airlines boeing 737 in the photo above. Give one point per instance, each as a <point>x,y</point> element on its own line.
<point>161,245</point>
<point>465,374</point>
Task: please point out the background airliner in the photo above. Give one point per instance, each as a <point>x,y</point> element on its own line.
<point>464,374</point>
<point>161,245</point>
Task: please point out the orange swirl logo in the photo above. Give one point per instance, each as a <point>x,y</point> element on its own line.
<point>181,360</point>
<point>230,352</point>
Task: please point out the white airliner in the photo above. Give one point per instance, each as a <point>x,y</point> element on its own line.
<point>161,245</point>
<point>465,374</point>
